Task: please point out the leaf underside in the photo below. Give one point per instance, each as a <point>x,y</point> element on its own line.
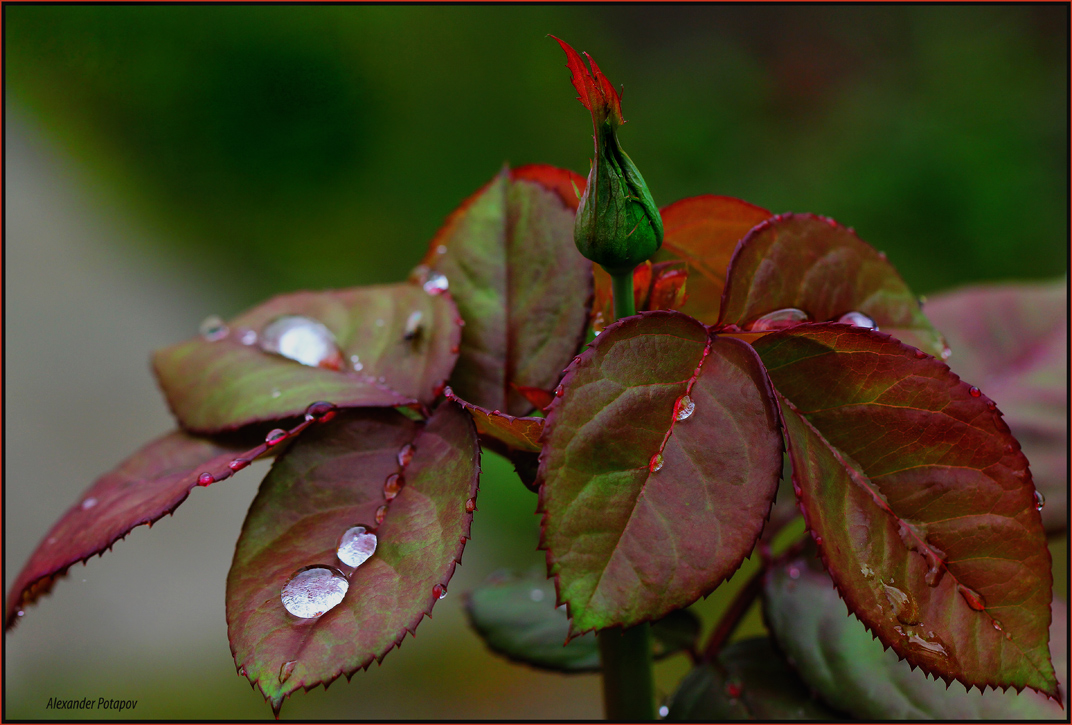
<point>818,266</point>
<point>627,543</point>
<point>501,432</point>
<point>1011,340</point>
<point>840,659</point>
<point>326,483</point>
<point>920,501</point>
<point>520,285</point>
<point>222,385</point>
<point>141,490</point>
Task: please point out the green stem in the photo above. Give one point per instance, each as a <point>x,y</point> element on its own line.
<point>628,683</point>
<point>628,680</point>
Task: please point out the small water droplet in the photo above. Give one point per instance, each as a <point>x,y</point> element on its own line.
<point>778,320</point>
<point>656,463</point>
<point>247,336</point>
<point>1040,500</point>
<point>946,352</point>
<point>684,408</point>
<point>213,328</point>
<point>89,503</point>
<point>381,514</point>
<point>392,486</point>
<point>858,319</point>
<point>439,591</point>
<point>436,283</point>
<point>321,411</point>
<point>558,392</point>
<point>303,340</point>
<point>20,613</point>
<point>413,325</point>
<point>470,505</point>
<point>285,671</point>
<point>663,711</point>
<point>357,364</point>
<point>974,392</point>
<point>405,455</point>
<point>356,545</point>
<point>241,671</point>
<point>313,591</point>
<point>997,625</point>
<point>973,598</point>
<point>793,572</point>
<point>536,595</point>
<point>276,392</point>
<point>275,436</point>
<point>206,479</point>
<point>238,464</point>
<point>991,405</point>
<point>441,249</point>
<point>734,688</point>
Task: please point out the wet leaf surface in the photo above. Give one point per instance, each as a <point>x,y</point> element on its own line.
<point>839,658</point>
<point>503,433</point>
<point>328,482</point>
<point>141,490</point>
<point>750,681</point>
<point>522,288</point>
<point>395,343</point>
<point>921,503</point>
<point>517,618</point>
<point>649,500</point>
<point>810,263</point>
<point>1011,340</point>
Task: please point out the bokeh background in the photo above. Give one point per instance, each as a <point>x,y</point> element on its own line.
<point>165,163</point>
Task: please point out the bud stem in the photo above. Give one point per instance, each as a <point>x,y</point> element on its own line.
<point>624,304</point>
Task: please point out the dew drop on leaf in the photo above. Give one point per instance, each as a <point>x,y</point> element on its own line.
<point>285,671</point>
<point>303,340</point>
<point>275,436</point>
<point>381,514</point>
<point>405,455</point>
<point>778,320</point>
<point>320,411</point>
<point>997,625</point>
<point>1040,500</point>
<point>536,595</point>
<point>470,505</point>
<point>927,646</point>
<point>684,408</point>
<point>974,392</point>
<point>439,591</point>
<point>238,464</point>
<point>356,545</point>
<point>413,325</point>
<point>247,336</point>
<point>902,605</point>
<point>946,352</point>
<point>392,486</point>
<point>656,463</point>
<point>213,328</point>
<point>206,479</point>
<point>313,591</point>
<point>89,503</point>
<point>973,598</point>
<point>436,283</point>
<point>858,319</point>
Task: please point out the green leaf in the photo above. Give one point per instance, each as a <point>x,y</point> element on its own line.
<point>325,484</point>
<point>839,658</point>
<point>517,618</point>
<point>396,343</point>
<point>508,256</point>
<point>920,501</point>
<point>750,681</point>
<point>644,513</point>
<point>1011,340</point>
<point>813,264</point>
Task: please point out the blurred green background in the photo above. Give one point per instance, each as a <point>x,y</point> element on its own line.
<point>168,162</point>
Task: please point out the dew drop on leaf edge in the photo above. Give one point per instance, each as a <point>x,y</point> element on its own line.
<point>392,486</point>
<point>285,671</point>
<point>1040,500</point>
<point>314,590</point>
<point>778,320</point>
<point>356,546</point>
<point>684,408</point>
<point>302,340</point>
<point>275,436</point>
<point>436,283</point>
<point>656,463</point>
<point>858,319</point>
<point>213,328</point>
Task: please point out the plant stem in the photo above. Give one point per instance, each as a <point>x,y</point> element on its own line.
<point>733,615</point>
<point>628,683</point>
<point>624,304</point>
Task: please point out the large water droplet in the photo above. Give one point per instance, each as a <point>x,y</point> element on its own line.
<point>392,486</point>
<point>413,325</point>
<point>684,408</point>
<point>405,455</point>
<point>859,319</point>
<point>303,340</point>
<point>285,670</point>
<point>313,591</point>
<point>778,320</point>
<point>973,598</point>
<point>436,283</point>
<point>275,437</point>
<point>926,646</point>
<point>321,411</point>
<point>656,463</point>
<point>1040,500</point>
<point>213,328</point>
<point>356,545</point>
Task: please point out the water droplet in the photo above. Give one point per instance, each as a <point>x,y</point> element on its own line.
<point>926,646</point>
<point>276,392</point>
<point>241,671</point>
<point>20,613</point>
<point>313,591</point>
<point>778,320</point>
<point>663,711</point>
<point>356,362</point>
<point>439,591</point>
<point>656,463</point>
<point>356,545</point>
<point>413,325</point>
<point>381,514</point>
<point>734,688</point>
<point>405,455</point>
<point>793,572</point>
<point>973,598</point>
<point>247,336</point>
<point>867,571</point>
<point>684,408</point>
<point>859,319</point>
<point>946,352</point>
<point>536,595</point>
<point>238,464</point>
<point>212,328</point>
<point>1040,500</point>
<point>285,671</point>
<point>436,283</point>
<point>275,436</point>
<point>997,625</point>
<point>89,503</point>
<point>974,392</point>
<point>321,411</point>
<point>470,505</point>
<point>903,606</point>
<point>558,392</point>
<point>206,479</point>
<point>303,340</point>
<point>392,486</point>
<point>991,405</point>
<point>441,249</point>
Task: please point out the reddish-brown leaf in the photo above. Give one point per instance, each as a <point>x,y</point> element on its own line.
<point>503,432</point>
<point>324,485</point>
<point>920,501</point>
<point>396,343</point>
<point>650,498</point>
<point>1011,340</point>
<point>813,264</point>
<point>508,256</point>
<point>539,397</point>
<point>595,92</point>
